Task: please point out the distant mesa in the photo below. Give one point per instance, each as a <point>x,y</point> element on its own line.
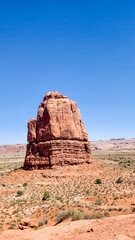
<point>117,139</point>
<point>57,136</point>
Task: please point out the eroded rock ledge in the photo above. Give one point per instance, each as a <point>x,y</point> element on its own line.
<point>57,136</point>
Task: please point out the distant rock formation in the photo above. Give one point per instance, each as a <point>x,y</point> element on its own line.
<point>117,139</point>
<point>57,136</point>
<point>14,148</point>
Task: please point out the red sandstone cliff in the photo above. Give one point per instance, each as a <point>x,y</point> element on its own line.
<point>58,135</point>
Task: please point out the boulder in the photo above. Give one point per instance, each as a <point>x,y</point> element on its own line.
<point>28,223</point>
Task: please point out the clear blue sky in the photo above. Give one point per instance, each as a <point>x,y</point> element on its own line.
<point>83,49</point>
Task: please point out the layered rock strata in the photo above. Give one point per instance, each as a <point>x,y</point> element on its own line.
<point>57,136</point>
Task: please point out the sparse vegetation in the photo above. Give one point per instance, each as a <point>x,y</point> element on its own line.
<point>61,216</point>
<point>69,195</point>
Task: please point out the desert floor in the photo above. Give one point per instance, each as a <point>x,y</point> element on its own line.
<point>88,201</point>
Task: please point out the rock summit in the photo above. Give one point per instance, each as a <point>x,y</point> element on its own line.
<point>57,136</point>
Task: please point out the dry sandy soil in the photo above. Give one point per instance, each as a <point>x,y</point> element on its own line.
<point>76,204</point>
<point>114,228</point>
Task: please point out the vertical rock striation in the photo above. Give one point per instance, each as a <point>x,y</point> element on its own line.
<point>57,136</point>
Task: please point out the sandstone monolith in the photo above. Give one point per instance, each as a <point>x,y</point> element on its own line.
<point>57,136</point>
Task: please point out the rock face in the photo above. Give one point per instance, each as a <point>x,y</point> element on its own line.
<point>57,136</point>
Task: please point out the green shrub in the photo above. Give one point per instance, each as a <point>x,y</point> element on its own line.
<point>133,209</point>
<point>120,209</point>
<point>46,195</point>
<point>14,212</point>
<point>35,228</point>
<point>11,227</point>
<point>58,197</point>
<point>93,216</point>
<point>61,216</point>
<point>71,212</point>
<point>112,209</point>
<point>87,192</point>
<point>115,197</point>
<point>87,216</point>
<point>119,180</point>
<point>97,216</point>
<point>106,213</point>
<point>77,216</point>
<point>98,201</point>
<point>98,181</point>
<point>25,184</point>
<point>45,220</point>
<point>20,192</point>
<point>40,223</point>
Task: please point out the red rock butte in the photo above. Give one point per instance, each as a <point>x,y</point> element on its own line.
<point>57,136</point>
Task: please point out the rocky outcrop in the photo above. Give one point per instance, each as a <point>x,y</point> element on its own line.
<point>57,136</point>
<point>28,223</point>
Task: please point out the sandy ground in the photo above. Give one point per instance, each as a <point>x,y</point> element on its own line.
<point>116,228</point>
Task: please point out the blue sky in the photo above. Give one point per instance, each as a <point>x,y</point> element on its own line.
<point>83,49</point>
